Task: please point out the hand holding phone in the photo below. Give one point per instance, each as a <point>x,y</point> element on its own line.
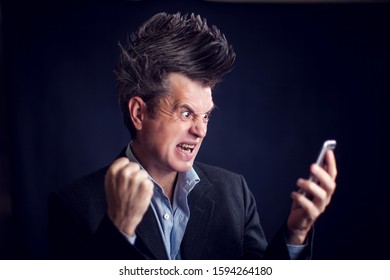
<point>312,198</point>
<point>328,145</point>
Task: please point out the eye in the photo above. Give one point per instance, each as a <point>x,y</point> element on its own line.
<point>206,117</point>
<point>185,115</point>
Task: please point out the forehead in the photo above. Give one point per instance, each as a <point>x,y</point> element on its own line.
<point>184,91</point>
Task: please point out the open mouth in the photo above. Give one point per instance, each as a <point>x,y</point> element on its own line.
<point>186,148</point>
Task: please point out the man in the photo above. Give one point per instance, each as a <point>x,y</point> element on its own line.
<point>155,201</point>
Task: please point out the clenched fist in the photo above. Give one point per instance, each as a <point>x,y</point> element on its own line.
<point>129,192</point>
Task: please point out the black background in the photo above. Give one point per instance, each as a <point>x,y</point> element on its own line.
<point>304,73</point>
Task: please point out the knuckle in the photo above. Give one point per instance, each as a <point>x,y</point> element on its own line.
<point>129,173</point>
<point>147,186</point>
<point>311,186</point>
<point>110,172</point>
<point>136,178</point>
<point>330,186</point>
<point>140,174</point>
<point>131,180</point>
<point>124,174</point>
<point>117,165</point>
<point>323,195</point>
<point>143,173</point>
<point>133,166</point>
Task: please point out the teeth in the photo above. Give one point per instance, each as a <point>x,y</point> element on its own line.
<point>186,147</point>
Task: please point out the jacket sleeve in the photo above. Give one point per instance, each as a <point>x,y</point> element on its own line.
<point>255,244</point>
<point>71,238</point>
<point>278,250</point>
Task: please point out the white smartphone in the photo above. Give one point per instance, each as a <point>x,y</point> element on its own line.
<point>328,145</point>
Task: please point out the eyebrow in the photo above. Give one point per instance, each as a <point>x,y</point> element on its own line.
<point>188,107</point>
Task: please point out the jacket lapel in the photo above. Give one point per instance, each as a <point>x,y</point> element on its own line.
<point>150,237</point>
<point>201,206</point>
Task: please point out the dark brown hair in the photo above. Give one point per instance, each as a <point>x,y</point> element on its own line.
<point>168,43</point>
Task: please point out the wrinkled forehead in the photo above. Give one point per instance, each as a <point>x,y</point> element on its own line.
<point>183,91</point>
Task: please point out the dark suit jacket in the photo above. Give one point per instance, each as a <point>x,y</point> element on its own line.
<point>223,224</point>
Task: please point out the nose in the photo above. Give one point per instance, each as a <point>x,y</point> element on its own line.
<point>198,128</point>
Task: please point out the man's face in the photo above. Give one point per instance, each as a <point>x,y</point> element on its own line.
<point>171,139</point>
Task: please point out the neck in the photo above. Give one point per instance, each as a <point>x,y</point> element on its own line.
<point>164,178</point>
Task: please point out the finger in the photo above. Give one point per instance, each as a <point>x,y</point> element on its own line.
<point>117,165</point>
<point>134,183</point>
<point>124,175</point>
<point>324,179</point>
<point>306,204</point>
<point>113,169</point>
<point>137,177</point>
<point>331,164</point>
<point>315,192</point>
<point>146,191</point>
<point>139,203</point>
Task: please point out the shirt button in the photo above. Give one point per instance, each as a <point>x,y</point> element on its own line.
<point>166,216</point>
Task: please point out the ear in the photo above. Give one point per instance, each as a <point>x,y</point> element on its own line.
<point>137,111</point>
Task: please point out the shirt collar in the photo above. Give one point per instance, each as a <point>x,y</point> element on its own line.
<point>188,179</point>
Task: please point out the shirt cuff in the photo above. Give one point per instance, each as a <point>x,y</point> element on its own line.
<point>131,239</point>
<point>296,251</point>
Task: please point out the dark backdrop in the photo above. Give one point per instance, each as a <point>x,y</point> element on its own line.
<point>304,73</point>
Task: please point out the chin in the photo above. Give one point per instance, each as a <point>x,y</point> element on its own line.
<point>184,166</point>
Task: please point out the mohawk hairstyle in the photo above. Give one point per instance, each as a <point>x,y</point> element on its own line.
<point>168,43</point>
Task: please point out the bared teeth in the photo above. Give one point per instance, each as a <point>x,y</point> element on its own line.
<point>187,147</point>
